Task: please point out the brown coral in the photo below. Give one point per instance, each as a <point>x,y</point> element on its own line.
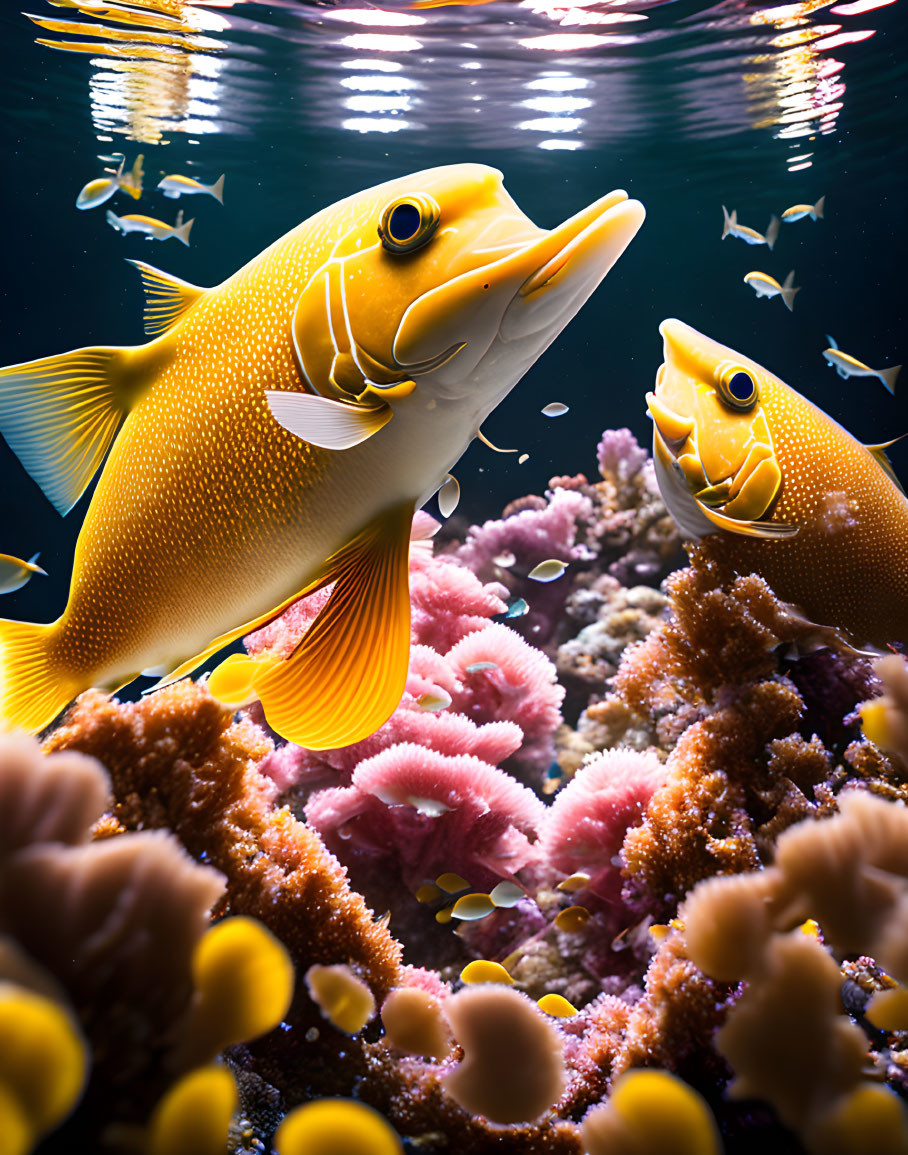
<point>177,759</point>
<point>787,1037</point>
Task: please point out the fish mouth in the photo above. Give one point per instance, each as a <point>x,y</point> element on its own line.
<point>535,286</point>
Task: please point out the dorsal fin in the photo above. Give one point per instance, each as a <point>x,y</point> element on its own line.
<point>878,453</point>
<point>167,298</point>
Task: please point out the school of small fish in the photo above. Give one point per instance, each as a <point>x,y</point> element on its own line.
<point>765,285</point>
<point>101,189</point>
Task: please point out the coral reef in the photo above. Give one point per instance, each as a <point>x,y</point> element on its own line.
<point>692,924</point>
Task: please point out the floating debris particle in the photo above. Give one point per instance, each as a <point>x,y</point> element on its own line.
<point>555,409</point>
<point>483,971</point>
<point>557,1006</point>
<point>434,701</point>
<point>523,458</point>
<point>414,1022</point>
<point>335,1125</point>
<point>472,907</point>
<point>578,881</point>
<point>449,496</point>
<point>507,894</point>
<point>451,883</point>
<point>478,667</point>
<point>547,571</point>
<point>573,919</point>
<point>504,560</point>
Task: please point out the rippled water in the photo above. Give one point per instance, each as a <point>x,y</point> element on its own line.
<point>753,105</point>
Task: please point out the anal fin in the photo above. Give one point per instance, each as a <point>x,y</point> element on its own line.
<point>167,298</point>
<point>59,416</point>
<point>347,676</point>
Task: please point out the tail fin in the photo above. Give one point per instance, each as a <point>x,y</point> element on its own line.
<point>772,231</point>
<point>113,220</point>
<point>181,231</point>
<point>32,692</point>
<point>888,377</point>
<point>817,213</point>
<point>60,414</point>
<point>217,189</point>
<point>727,222</point>
<point>831,340</point>
<point>789,289</point>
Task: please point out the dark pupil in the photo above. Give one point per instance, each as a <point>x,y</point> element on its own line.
<point>741,387</point>
<point>404,222</point>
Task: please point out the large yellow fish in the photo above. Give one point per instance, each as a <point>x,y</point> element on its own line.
<point>775,486</point>
<point>276,436</point>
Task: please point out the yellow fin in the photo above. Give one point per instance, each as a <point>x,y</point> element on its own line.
<point>167,298</point>
<point>60,414</point>
<point>32,691</point>
<point>879,455</point>
<point>771,530</point>
<point>324,422</point>
<point>347,676</point>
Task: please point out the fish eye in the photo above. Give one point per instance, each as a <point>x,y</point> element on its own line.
<point>408,223</point>
<point>737,387</point>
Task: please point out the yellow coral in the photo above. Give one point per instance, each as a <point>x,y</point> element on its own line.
<point>193,1118</point>
<point>336,1127</point>
<point>650,1112</point>
<point>244,980</point>
<point>42,1065</point>
<point>869,1121</point>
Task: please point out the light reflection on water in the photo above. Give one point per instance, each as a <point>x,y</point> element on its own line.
<point>547,74</point>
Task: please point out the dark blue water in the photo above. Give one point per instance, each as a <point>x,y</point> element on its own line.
<point>686,107</point>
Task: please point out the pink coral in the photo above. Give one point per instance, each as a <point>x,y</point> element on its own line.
<point>531,532</point>
<point>420,813</point>
<point>587,822</point>
<point>509,712</point>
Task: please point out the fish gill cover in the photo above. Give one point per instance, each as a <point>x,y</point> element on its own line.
<point>604,850</point>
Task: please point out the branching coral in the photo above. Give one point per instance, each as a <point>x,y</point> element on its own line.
<point>177,759</point>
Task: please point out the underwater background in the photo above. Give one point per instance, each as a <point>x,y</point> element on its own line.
<point>625,871</point>
<point>686,106</point>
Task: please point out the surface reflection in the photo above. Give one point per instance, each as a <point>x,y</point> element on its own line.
<point>548,74</point>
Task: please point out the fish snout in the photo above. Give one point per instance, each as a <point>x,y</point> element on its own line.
<point>570,262</point>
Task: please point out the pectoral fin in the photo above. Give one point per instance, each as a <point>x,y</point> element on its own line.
<point>325,422</point>
<point>60,414</point>
<point>347,676</point>
<point>770,530</point>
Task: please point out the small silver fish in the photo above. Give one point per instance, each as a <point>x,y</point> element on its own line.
<point>174,186</point>
<point>766,286</point>
<point>15,573</point>
<point>152,228</point>
<point>799,212</point>
<point>555,409</point>
<point>731,228</point>
<point>847,366</point>
<point>547,571</point>
<point>517,609</point>
<point>97,191</point>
